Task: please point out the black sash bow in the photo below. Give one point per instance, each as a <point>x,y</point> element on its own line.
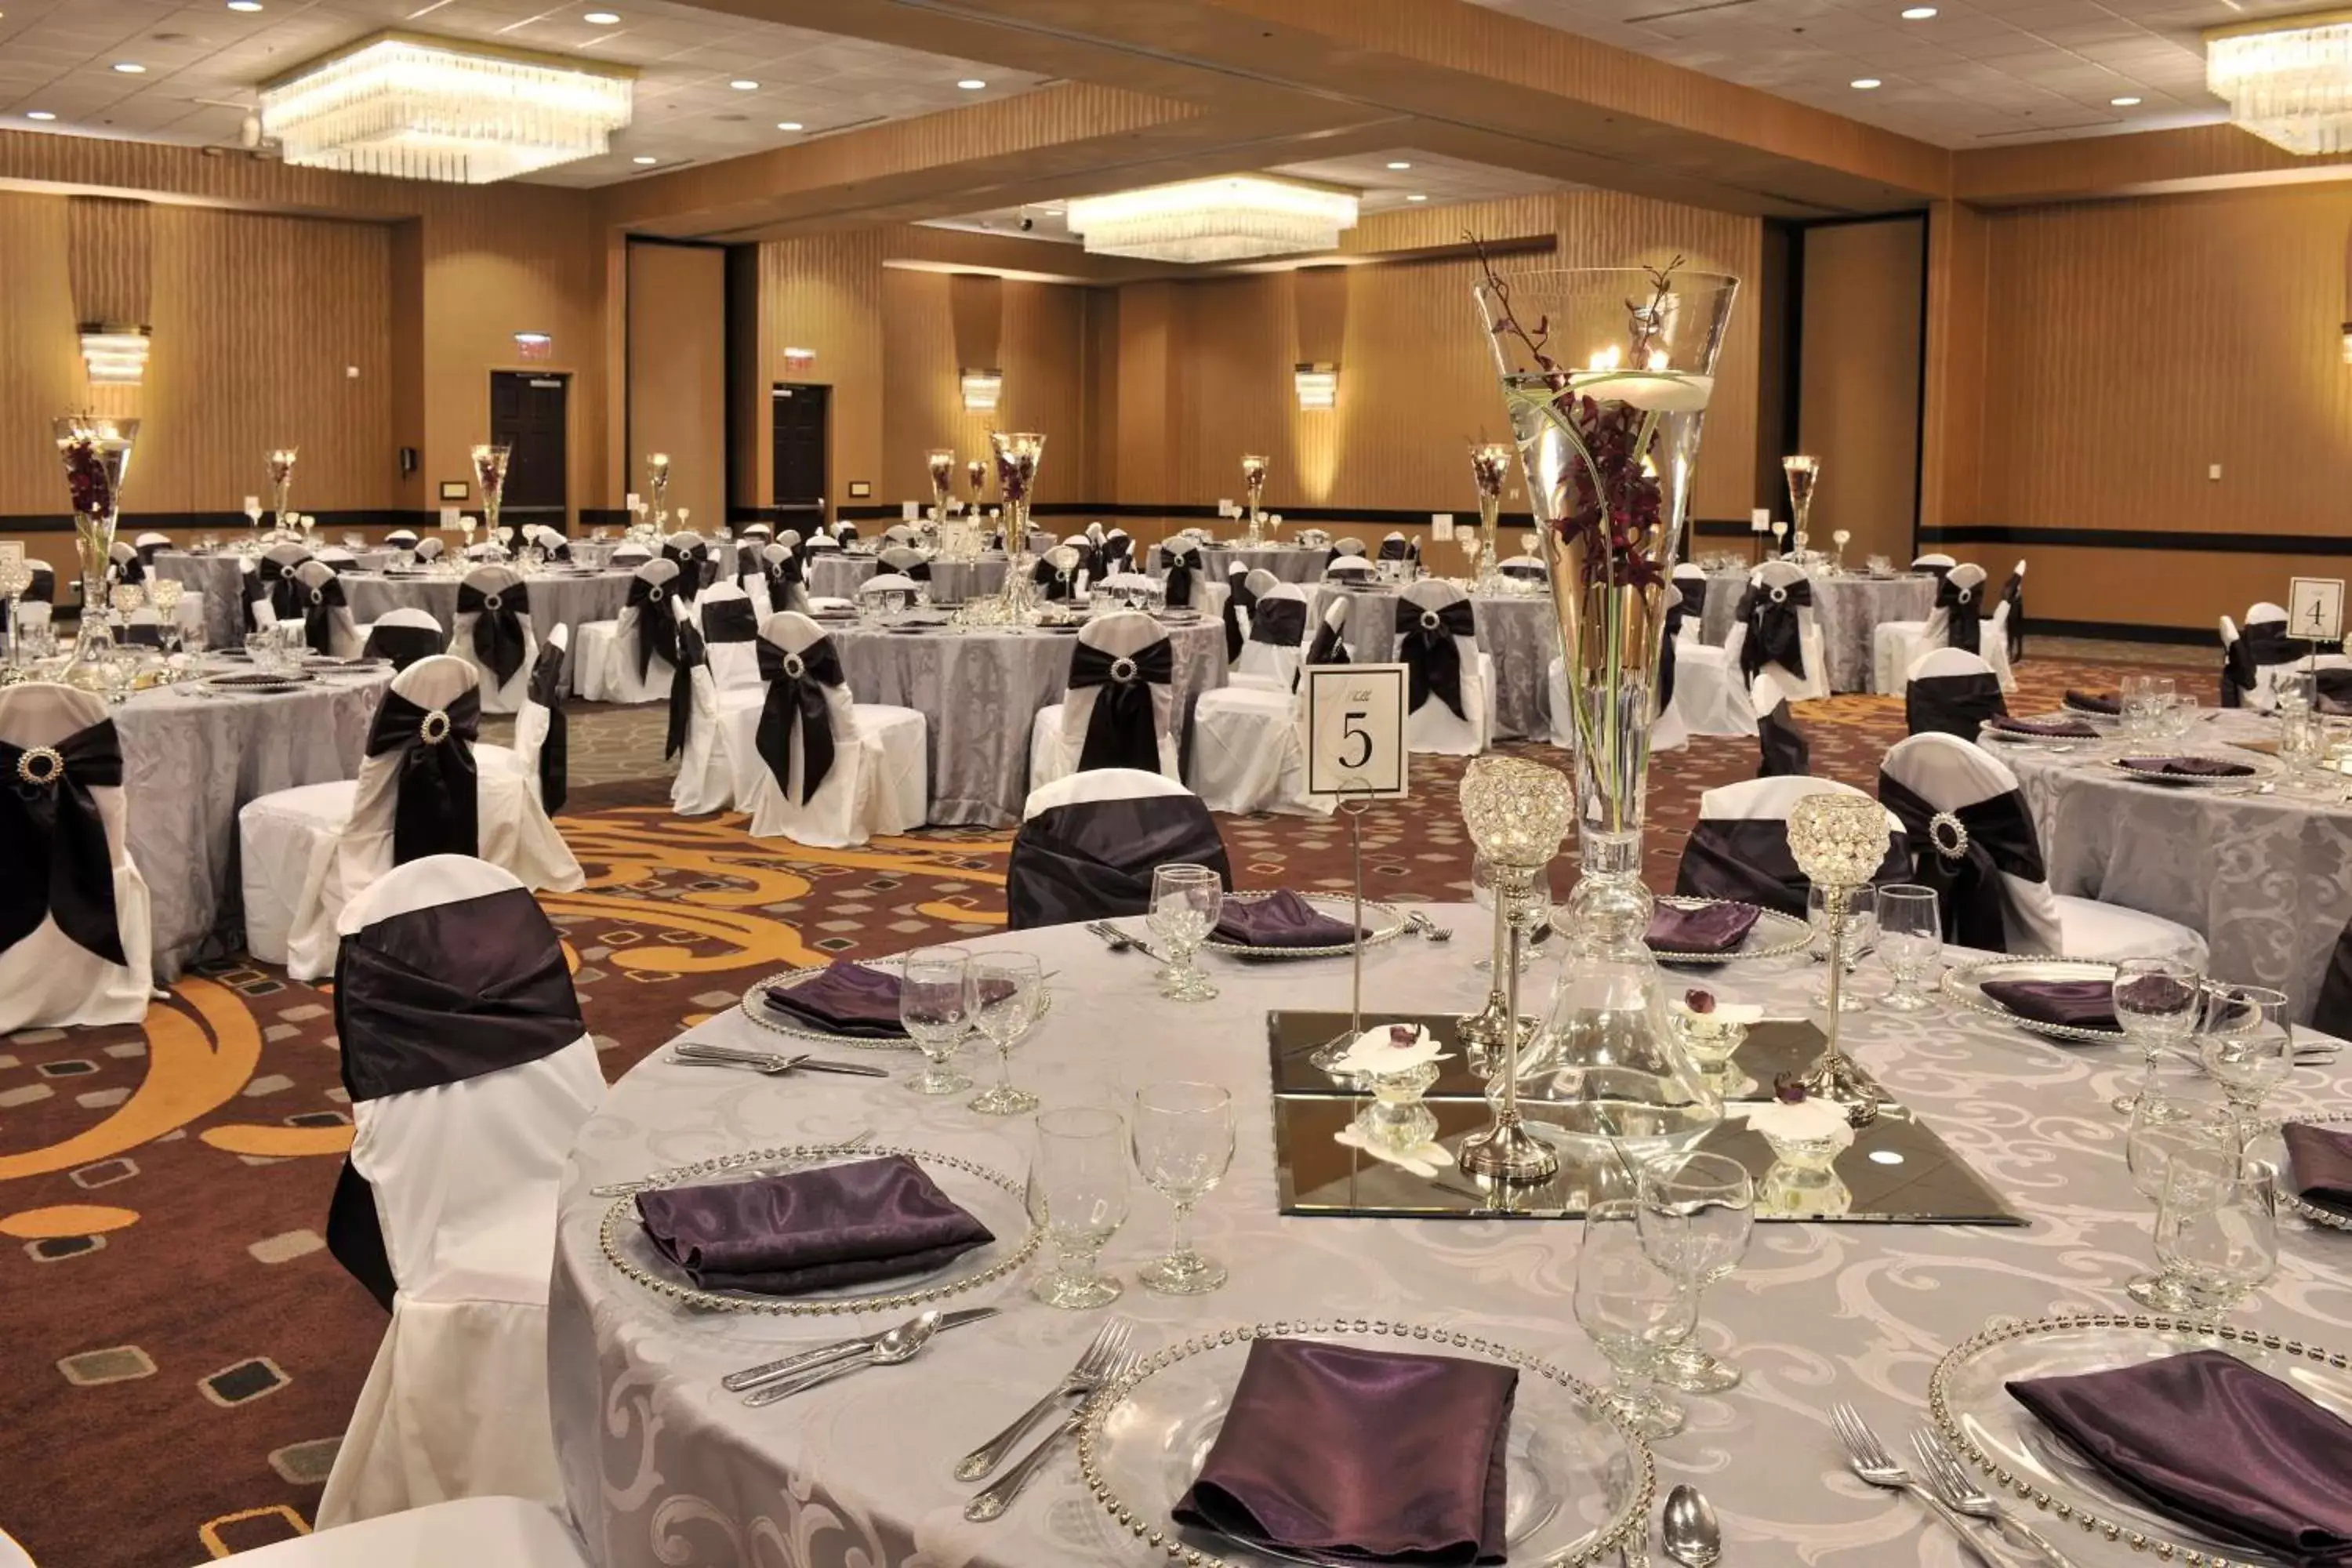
<point>1775,634</point>
<point>688,562</point>
<point>1963,613</point>
<point>147,553</point>
<point>497,626</point>
<point>555,751</point>
<point>1279,622</point>
<point>656,627</point>
<point>436,808</point>
<point>1782,749</point>
<point>1327,648</point>
<point>1236,602</point>
<point>54,857</point>
<point>130,566</point>
<point>1676,611</point>
<point>1426,646</point>
<point>1057,582</point>
<point>1123,730</point>
<point>798,686</point>
<point>730,620</point>
<point>320,605</point>
<point>1182,565</point>
<point>2013,595</point>
<point>275,581</point>
<point>403,645</point>
<point>1094,860</point>
<point>1962,855</point>
<point>1952,704</point>
<point>2260,644</point>
<point>1693,593</point>
<point>1396,549</point>
<point>691,657</point>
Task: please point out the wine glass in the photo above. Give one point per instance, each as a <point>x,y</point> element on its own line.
<point>1010,988</point>
<point>934,1006</point>
<point>2248,1047</point>
<point>1860,936</point>
<point>2164,1124</point>
<point>2158,1002</point>
<point>1186,900</point>
<point>1698,1211</point>
<point>1183,1135</point>
<point>2217,1227</point>
<point>1078,1196</point>
<point>1910,941</point>
<point>1630,1309</point>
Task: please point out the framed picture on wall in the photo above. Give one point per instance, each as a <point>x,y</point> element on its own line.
<point>456,489</point>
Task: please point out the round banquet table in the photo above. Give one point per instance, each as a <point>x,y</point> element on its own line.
<point>219,576</point>
<point>1291,563</point>
<point>2265,878</point>
<point>191,756</point>
<point>979,692</point>
<point>1518,630</point>
<point>837,576</point>
<point>558,597</point>
<point>664,1469</point>
<point>1847,608</point>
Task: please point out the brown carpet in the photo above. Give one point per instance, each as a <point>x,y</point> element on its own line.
<point>181,1351</point>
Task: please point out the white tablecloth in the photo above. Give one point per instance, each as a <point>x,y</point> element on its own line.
<point>557,598</point>
<point>665,1470</point>
<point>1291,563</point>
<point>837,576</point>
<point>1520,632</point>
<point>1847,608</point>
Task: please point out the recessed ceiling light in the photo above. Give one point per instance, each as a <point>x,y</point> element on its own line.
<point>601,18</point>
<point>744,84</point>
<point>1416,196</point>
<point>1863,83</point>
<point>1051,212</point>
<point>1399,163</point>
<point>643,159</point>
<point>38,114</point>
<point>130,68</point>
<point>1917,12</point>
<point>245,4</point>
<point>2127,101</point>
<point>788,125</point>
<point>971,84</point>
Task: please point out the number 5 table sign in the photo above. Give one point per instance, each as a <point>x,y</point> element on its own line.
<point>1352,728</point>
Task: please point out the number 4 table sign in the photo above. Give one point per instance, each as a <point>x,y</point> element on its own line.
<point>1352,728</point>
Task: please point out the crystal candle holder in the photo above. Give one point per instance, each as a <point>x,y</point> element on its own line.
<point>1518,813</point>
<point>1839,841</point>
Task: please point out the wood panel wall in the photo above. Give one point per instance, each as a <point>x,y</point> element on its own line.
<point>1858,398</point>
<point>677,370</point>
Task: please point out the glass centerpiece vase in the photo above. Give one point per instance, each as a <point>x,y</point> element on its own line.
<point>657,482</point>
<point>281,486</point>
<point>491,460</point>
<point>940,465</point>
<point>1490,465</point>
<point>1804,475</point>
<point>1606,375</point>
<point>1017,454</point>
<point>1254,485</point>
<point>97,455</point>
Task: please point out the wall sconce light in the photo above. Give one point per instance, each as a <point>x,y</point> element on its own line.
<point>982,388</point>
<point>114,352</point>
<point>2347,342</point>
<point>1317,384</point>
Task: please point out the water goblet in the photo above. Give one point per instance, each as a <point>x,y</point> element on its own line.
<point>1860,936</point>
<point>1630,1309</point>
<point>1910,941</point>
<point>934,1006</point>
<point>261,648</point>
<point>2217,1227</point>
<point>1186,900</point>
<point>2158,1002</point>
<point>1009,989</point>
<point>1698,1212</point>
<point>193,638</point>
<point>2248,1045</point>
<point>2165,1124</point>
<point>1184,1137</point>
<point>1078,1196</point>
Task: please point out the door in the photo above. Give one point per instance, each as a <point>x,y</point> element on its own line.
<point>800,437</point>
<point>528,413</point>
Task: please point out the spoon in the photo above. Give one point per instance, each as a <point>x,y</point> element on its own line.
<point>1692,1536</point>
<point>891,1347</point>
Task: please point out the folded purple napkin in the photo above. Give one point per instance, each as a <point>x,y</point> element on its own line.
<point>1281,918</point>
<point>2105,703</point>
<point>2045,728</point>
<point>2319,1159</point>
<point>810,1230</point>
<point>1351,1456</point>
<point>2074,1004</point>
<point>2189,767</point>
<point>2207,1439</point>
<point>847,999</point>
<point>1710,928</point>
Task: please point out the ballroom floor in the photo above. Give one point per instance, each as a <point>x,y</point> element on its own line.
<point>182,1350</point>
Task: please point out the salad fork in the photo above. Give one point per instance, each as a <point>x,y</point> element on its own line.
<point>1087,1375</point>
<point>1960,1490</point>
<point>991,1503</point>
<point>1869,1459</point>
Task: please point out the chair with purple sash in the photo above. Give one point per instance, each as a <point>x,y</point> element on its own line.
<point>1279,634</point>
<point>907,561</point>
<point>1783,751</point>
<point>1956,620</point>
<point>271,592</point>
<point>1061,573</point>
<point>632,657</point>
<point>1450,683</point>
<point>401,539</point>
<point>470,1074</point>
<point>731,627</point>
<point>1239,600</point>
<point>1118,707</point>
<point>327,625</point>
<point>124,564</point>
<point>1777,610</point>
<point>1184,578</point>
<point>1952,691</point>
<point>1245,753</point>
<point>2253,658</point>
<point>405,634</point>
<point>150,545</point>
<point>691,556</point>
<point>492,632</point>
<point>1739,847</point>
<point>811,763</point>
<point>1089,844</point>
<point>75,944</point>
<point>543,736</point>
<point>1689,672</point>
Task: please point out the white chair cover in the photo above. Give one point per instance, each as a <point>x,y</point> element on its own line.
<point>1349,546</point>
<point>1897,645</point>
<point>497,584</point>
<point>1350,569</point>
<point>877,781</point>
<point>1433,726</point>
<point>1739,847</point>
<point>1813,683</point>
<point>608,656</point>
<point>1272,664</point>
<point>1058,735</point>
<point>730,631</point>
<point>403,634</point>
<point>513,1533</point>
<point>539,715</point>
<point>324,590</point>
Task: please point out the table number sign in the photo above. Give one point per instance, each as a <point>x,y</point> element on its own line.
<point>12,549</point>
<point>1441,527</point>
<point>449,519</point>
<point>911,512</point>
<point>2315,608</point>
<point>1352,725</point>
<point>1227,508</point>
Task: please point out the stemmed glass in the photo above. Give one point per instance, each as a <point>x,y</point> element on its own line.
<point>2162,1127</point>
<point>1698,1212</point>
<point>1078,1196</point>
<point>1910,940</point>
<point>934,1006</point>
<point>1186,900</point>
<point>1010,988</point>
<point>1630,1309</point>
<point>2248,1047</point>
<point>2158,1002</point>
<point>2217,1227</point>
<point>1860,936</point>
<point>1183,1143</point>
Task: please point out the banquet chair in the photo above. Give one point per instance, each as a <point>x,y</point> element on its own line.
<point>822,541</point>
<point>1973,840</point>
<point>630,657</point>
<point>1690,580</point>
<point>1450,682</point>
<point>1934,562</point>
<point>1117,709</point>
<point>889,593</point>
<point>1278,632</point>
<point>1777,610</point>
<point>1952,691</point>
<point>760,534</point>
<point>1781,749</point>
<point>1739,847</point>
<point>1671,730</point>
<point>463,1114</point>
<point>1261,581</point>
<point>401,539</point>
<point>337,556</point>
<point>1395,546</point>
<point>1239,600</point>
<point>774,583</point>
<point>1524,569</point>
<point>271,592</point>
<point>1711,696</point>
<point>705,783</point>
<point>148,544</point>
<point>629,555</point>
<point>549,539</point>
<point>326,616</point>
<point>1246,753</point>
<point>1955,621</point>
<point>692,557</point>
<point>429,550</point>
<point>542,735</point>
<point>1184,572</point>
<point>1350,569</point>
<point>1061,573</point>
<point>1348,546</point>
<point>900,534</point>
<point>124,566</point>
<point>493,632</point>
<point>510,1533</point>
<point>729,627</point>
<point>75,930</point>
<point>486,550</point>
<point>423,789</point>
<point>2254,657</point>
<point>404,636</point>
<point>2013,601</point>
<point>144,628</point>
<point>907,562</point>
<point>1089,844</point>
<point>813,764</point>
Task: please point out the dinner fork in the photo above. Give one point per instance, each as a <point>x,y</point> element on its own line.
<point>1960,1490</point>
<point>991,1503</point>
<point>1868,1458</point>
<point>1106,1347</point>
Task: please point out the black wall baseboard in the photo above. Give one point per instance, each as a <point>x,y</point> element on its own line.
<point>2208,638</point>
<point>2141,539</point>
<point>135,523</point>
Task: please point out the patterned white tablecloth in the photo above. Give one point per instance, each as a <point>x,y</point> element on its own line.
<point>1847,608</point>
<point>1519,630</point>
<point>665,1470</point>
<point>1291,563</point>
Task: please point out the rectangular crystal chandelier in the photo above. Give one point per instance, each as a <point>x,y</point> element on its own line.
<point>1230,218</point>
<point>429,109</point>
<point>2288,81</point>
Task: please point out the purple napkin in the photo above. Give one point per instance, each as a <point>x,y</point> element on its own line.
<point>2189,767</point>
<point>2105,703</point>
<point>2208,1440</point>
<point>847,999</point>
<point>2319,1159</point>
<point>2074,1004</point>
<point>1281,918</point>
<point>2043,729</point>
<point>1710,928</point>
<point>842,1224</point>
<point>1359,1456</point>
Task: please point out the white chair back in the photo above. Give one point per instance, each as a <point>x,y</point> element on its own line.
<point>431,684</point>
<point>1120,636</point>
<point>1099,784</point>
<point>1276,660</point>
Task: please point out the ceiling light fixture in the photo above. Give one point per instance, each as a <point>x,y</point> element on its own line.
<point>130,68</point>
<point>971,84</point>
<point>1919,14</point>
<point>1864,83</point>
<point>744,84</point>
<point>601,18</point>
<point>40,114</point>
<point>642,159</point>
<point>1416,196</point>
<point>246,6</point>
<point>790,125</point>
<point>2127,101</point>
<point>1228,218</point>
<point>1399,163</point>
<point>423,109</point>
<point>2289,84</point>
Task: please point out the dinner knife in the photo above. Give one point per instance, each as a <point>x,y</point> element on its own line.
<point>771,1371</point>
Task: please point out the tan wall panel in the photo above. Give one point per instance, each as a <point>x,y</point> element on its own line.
<point>40,359</point>
<point>1859,392</point>
<point>2145,588</point>
<point>677,370</point>
<point>825,294</point>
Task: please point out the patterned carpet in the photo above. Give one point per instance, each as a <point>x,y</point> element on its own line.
<point>181,1351</point>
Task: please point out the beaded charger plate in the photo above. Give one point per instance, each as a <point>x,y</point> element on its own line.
<point>2296,1203</point>
<point>1969,1401</point>
<point>1774,935</point>
<point>755,1008</point>
<point>1381,923</point>
<point>2254,768</point>
<point>262,680</point>
<point>996,1200</point>
<point>1579,1484</point>
<point>1964,984</point>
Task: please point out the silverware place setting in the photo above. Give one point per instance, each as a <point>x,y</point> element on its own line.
<point>1120,942</point>
<point>1418,921</point>
<point>1086,1375</point>
<point>991,1503</point>
<point>1960,1490</point>
<point>690,1053</point>
<point>1689,1531</point>
<point>1868,1458</point>
<point>646,1184</point>
<point>829,1358</point>
<point>889,1348</point>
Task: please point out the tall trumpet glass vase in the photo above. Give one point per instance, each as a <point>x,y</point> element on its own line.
<point>490,461</point>
<point>1017,453</point>
<point>1254,483</point>
<point>97,455</point>
<point>1804,475</point>
<point>281,488</point>
<point>1490,465</point>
